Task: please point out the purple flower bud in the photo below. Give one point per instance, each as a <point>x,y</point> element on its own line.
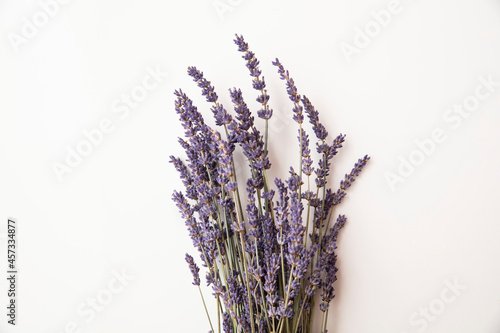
<point>313,116</point>
<point>227,324</point>
<point>291,89</point>
<point>350,178</point>
<point>194,270</point>
<point>207,89</point>
<point>258,82</point>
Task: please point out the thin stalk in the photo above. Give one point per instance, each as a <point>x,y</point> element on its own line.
<point>224,267</point>
<point>299,317</point>
<point>247,283</point>
<point>326,319</point>
<point>263,92</point>
<point>206,311</point>
<point>286,297</point>
<point>266,188</point>
<point>308,211</point>
<point>300,159</point>
<point>218,312</point>
<point>310,314</point>
<point>235,177</point>
<point>265,137</point>
<point>329,220</point>
<point>240,250</point>
<point>282,261</point>
<point>322,203</point>
<point>314,231</point>
<point>260,283</point>
<point>322,322</point>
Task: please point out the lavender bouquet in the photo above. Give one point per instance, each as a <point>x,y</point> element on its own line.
<point>270,259</point>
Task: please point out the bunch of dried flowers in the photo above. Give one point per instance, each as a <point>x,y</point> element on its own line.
<point>270,259</point>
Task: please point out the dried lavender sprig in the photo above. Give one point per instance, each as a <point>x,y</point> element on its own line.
<point>291,89</point>
<point>330,259</point>
<point>282,213</point>
<point>208,212</point>
<point>313,116</point>
<point>261,237</point>
<point>254,147</point>
<point>227,323</point>
<point>304,160</point>
<point>195,271</point>
<point>195,231</point>
<point>306,153</point>
<point>265,112</point>
<point>350,178</point>
<point>222,118</point>
<point>186,177</point>
<point>297,108</point>
<point>198,145</point>
<point>201,151</point>
<point>328,150</point>
<point>322,173</point>
<point>258,82</point>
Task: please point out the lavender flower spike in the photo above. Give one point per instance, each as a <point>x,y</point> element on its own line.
<point>207,89</point>
<point>194,270</point>
<point>258,82</point>
<point>313,116</point>
<point>350,178</point>
<point>220,114</point>
<point>291,89</point>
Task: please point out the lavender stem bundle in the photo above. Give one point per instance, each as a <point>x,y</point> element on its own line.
<point>270,259</point>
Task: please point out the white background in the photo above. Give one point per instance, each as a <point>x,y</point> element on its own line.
<point>113,212</point>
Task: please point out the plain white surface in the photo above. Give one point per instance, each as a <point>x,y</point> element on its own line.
<point>113,212</point>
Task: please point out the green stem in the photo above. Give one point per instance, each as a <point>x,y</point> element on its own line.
<point>322,322</point>
<point>218,312</point>
<point>206,311</point>
<point>286,297</point>
<point>240,207</point>
<point>326,319</point>
<point>300,159</point>
<point>265,138</point>
<point>247,283</point>
<point>299,317</point>
<point>260,285</point>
